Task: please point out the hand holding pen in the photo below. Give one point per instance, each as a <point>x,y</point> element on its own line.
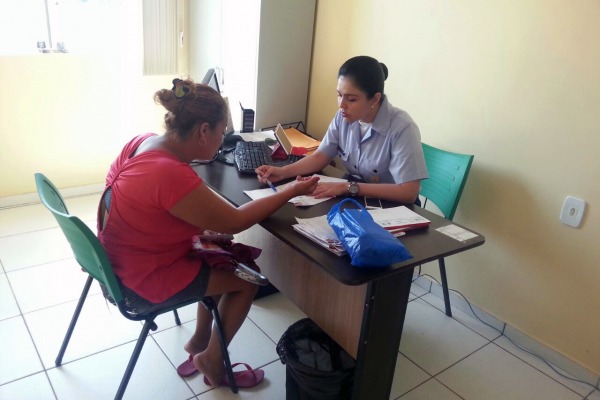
<point>271,185</point>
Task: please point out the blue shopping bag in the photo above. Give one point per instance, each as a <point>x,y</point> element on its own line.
<point>368,244</point>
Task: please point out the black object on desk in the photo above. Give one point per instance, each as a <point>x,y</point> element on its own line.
<point>229,142</point>
<point>250,155</point>
<point>247,119</point>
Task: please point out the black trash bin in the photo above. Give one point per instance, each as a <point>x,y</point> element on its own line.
<point>317,368</point>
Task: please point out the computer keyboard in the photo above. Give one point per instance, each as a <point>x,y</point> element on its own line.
<point>250,155</point>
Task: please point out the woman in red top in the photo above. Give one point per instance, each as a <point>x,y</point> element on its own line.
<point>158,202</point>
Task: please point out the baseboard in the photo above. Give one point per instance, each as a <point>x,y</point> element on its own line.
<point>32,198</point>
<point>515,335</point>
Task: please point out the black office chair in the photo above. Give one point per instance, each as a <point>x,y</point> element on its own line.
<point>92,257</point>
<point>448,174</point>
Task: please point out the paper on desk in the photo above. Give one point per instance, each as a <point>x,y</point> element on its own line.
<point>259,136</point>
<point>319,231</point>
<point>298,201</point>
<point>456,232</point>
<point>399,218</point>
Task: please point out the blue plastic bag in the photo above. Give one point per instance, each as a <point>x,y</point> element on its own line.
<point>368,244</point>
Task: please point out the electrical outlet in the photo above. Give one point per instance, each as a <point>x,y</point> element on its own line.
<point>572,211</point>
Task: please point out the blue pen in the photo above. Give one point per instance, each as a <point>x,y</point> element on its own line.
<point>271,185</point>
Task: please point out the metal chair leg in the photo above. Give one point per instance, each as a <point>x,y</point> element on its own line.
<point>148,325</point>
<point>65,343</point>
<point>210,305</point>
<point>445,287</point>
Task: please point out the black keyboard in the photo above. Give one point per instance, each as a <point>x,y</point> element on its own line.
<point>250,155</point>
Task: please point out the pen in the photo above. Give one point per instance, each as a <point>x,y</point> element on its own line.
<point>271,185</point>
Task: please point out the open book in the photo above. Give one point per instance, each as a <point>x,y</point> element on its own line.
<point>396,220</point>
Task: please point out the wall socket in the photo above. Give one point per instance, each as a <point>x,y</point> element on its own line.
<point>572,211</point>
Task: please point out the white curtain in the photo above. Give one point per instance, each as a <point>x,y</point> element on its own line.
<point>163,31</point>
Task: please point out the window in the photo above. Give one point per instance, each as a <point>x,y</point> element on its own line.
<point>152,29</point>
<point>20,34</point>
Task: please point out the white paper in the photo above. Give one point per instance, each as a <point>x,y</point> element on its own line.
<point>397,216</point>
<point>259,136</point>
<point>456,232</point>
<point>299,201</point>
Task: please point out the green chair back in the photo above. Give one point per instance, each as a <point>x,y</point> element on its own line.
<point>447,177</point>
<point>88,250</point>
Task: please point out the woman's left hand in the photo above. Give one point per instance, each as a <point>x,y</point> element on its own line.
<point>330,189</point>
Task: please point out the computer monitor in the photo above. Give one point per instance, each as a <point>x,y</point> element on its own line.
<point>211,79</point>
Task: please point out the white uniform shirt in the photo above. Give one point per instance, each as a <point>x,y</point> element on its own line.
<point>389,152</point>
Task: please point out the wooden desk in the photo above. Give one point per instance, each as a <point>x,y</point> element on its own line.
<point>362,309</point>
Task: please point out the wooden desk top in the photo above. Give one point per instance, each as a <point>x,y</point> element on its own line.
<point>424,244</point>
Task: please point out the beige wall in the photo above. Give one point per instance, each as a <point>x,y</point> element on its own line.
<point>517,83</point>
<point>68,116</point>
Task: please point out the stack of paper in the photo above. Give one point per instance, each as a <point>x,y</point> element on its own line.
<point>396,220</point>
<point>318,230</point>
<point>299,139</point>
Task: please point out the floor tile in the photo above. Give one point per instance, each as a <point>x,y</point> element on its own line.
<point>35,217</point>
<point>167,320</point>
<point>19,356</point>
<point>49,284</point>
<point>406,377</point>
<point>97,377</point>
<point>469,321</point>
<point>492,373</point>
<point>100,327</point>
<point>31,387</point>
<point>8,303</point>
<point>594,396</point>
<point>433,341</point>
<point>536,362</point>
<point>417,290</point>
<point>34,248</point>
<point>430,390</point>
<point>274,314</point>
<point>17,220</point>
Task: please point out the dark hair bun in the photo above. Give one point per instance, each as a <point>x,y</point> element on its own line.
<point>385,70</point>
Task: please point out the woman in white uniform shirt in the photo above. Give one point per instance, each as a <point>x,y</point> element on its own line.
<point>379,144</point>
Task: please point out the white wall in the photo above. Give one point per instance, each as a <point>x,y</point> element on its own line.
<point>264,47</point>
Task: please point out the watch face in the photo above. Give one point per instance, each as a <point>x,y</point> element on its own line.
<point>353,188</point>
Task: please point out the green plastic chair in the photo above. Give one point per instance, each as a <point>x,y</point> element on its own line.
<point>90,254</point>
<point>447,177</point>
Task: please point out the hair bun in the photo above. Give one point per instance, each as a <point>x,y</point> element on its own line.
<point>385,70</point>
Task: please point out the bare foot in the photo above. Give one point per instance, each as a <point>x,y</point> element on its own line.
<point>214,371</point>
<point>193,348</point>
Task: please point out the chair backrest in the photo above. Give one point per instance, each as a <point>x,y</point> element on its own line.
<point>87,249</point>
<point>447,177</point>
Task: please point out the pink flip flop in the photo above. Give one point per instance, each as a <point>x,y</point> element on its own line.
<point>243,379</point>
<point>187,368</point>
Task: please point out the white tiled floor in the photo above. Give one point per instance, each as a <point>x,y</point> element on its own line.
<point>439,358</point>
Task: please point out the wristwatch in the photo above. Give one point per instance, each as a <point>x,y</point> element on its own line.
<point>353,188</point>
